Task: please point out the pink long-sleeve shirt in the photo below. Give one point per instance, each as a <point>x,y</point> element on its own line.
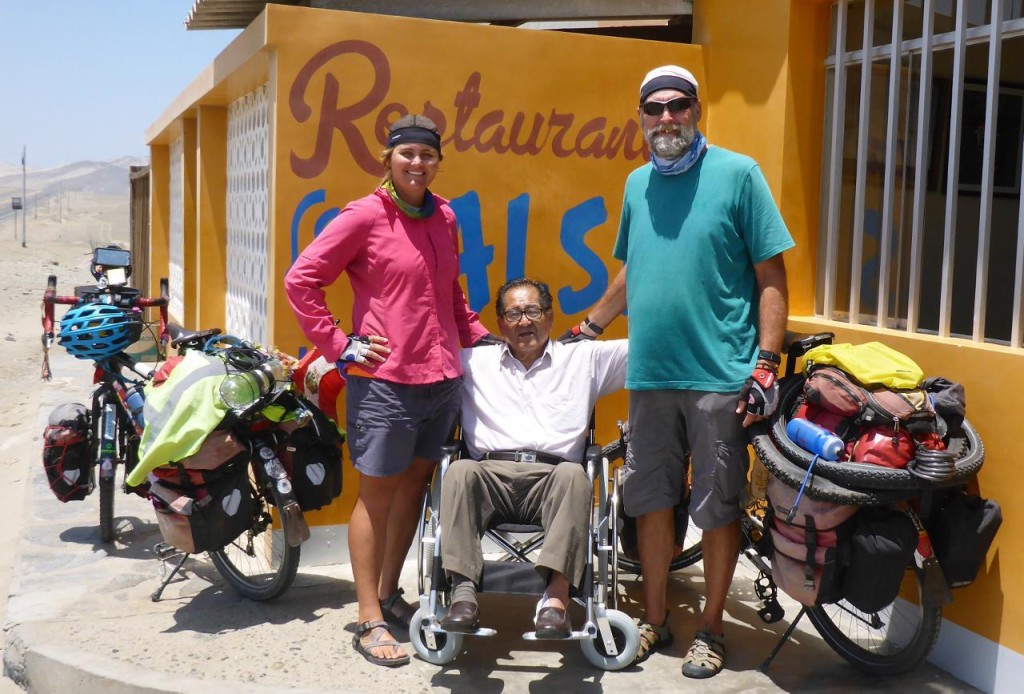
<point>404,274</point>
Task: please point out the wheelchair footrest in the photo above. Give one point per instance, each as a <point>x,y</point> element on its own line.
<point>582,635</point>
<point>481,631</point>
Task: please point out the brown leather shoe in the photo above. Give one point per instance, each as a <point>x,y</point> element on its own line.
<point>463,617</point>
<point>553,623</point>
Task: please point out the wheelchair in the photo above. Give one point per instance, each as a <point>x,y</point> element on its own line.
<point>609,638</point>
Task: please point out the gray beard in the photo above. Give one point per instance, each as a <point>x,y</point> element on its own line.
<point>670,145</point>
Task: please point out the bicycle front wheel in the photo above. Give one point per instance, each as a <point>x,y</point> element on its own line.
<point>259,564</point>
<point>105,436</point>
<point>888,642</point>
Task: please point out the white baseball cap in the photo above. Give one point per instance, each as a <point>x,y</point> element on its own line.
<point>668,77</point>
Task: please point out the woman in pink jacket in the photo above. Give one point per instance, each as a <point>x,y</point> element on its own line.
<point>399,247</point>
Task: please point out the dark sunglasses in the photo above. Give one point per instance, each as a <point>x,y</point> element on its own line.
<point>674,106</point>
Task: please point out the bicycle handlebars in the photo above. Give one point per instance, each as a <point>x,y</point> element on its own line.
<point>123,297</point>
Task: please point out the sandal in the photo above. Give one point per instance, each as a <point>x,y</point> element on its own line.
<point>397,612</point>
<point>379,642</point>
<point>652,638</point>
<point>706,656</point>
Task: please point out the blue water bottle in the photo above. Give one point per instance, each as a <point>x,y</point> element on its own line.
<point>816,439</point>
<point>136,401</point>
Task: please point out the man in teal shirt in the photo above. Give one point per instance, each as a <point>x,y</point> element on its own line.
<point>701,238</point>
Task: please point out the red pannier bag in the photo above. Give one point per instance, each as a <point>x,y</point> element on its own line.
<point>880,445</point>
<point>806,563</point>
<point>67,454</point>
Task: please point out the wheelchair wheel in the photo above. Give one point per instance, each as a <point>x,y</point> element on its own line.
<point>888,642</point>
<point>427,534</point>
<point>691,552</point>
<point>447,645</point>
<point>604,525</point>
<point>627,641</point>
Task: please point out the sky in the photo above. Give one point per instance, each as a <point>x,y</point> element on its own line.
<point>84,79</point>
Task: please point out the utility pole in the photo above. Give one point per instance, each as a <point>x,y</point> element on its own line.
<point>24,196</point>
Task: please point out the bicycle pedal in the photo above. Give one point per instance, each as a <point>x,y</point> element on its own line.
<point>771,612</point>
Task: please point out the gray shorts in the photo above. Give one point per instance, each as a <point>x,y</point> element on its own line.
<point>672,428</point>
<point>390,423</point>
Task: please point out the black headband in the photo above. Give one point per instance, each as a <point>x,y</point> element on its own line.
<point>415,133</point>
<point>667,82</point>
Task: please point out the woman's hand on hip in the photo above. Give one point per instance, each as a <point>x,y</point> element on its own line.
<point>365,349</point>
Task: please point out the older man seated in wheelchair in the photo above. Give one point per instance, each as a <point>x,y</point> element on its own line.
<point>525,413</point>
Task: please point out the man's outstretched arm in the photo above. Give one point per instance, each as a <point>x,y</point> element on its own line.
<point>607,308</point>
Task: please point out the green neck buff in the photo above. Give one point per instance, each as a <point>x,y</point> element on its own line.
<point>410,210</point>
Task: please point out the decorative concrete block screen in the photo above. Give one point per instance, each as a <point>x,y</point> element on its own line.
<point>248,230</point>
<point>176,271</point>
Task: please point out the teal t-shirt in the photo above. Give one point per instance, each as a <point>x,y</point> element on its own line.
<point>690,243</point>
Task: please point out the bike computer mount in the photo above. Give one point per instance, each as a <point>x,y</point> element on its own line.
<point>111,266</point>
<point>111,263</point>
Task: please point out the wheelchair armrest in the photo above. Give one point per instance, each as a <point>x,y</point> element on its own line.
<point>449,454</point>
<point>592,460</point>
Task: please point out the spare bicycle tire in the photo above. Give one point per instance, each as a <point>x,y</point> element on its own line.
<point>967,450</point>
<point>817,487</point>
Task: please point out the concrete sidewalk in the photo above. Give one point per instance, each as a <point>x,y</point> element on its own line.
<point>80,619</point>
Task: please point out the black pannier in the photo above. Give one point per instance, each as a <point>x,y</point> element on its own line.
<point>880,551</point>
<point>961,530</point>
<point>203,510</point>
<point>311,453</point>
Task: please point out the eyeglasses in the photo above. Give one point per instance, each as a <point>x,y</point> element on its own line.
<point>674,106</point>
<point>514,315</point>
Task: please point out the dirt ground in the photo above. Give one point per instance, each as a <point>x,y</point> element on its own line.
<point>53,246</point>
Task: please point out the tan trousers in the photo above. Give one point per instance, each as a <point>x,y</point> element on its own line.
<point>476,495</point>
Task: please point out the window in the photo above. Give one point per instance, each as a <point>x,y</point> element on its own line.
<point>921,226</point>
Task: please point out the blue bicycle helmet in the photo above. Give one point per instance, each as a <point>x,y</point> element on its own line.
<point>98,331</point>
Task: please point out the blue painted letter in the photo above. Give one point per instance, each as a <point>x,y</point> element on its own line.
<point>475,256</point>
<point>515,258</point>
<point>576,222</point>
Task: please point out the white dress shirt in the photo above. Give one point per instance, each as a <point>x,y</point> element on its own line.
<point>547,407</point>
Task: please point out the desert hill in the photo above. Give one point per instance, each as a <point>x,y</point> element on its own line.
<point>54,189</point>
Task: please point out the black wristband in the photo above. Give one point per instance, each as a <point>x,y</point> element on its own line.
<point>769,356</point>
<point>597,329</point>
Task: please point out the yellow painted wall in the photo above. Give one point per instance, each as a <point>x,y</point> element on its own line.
<point>341,78</point>
<point>764,96</point>
<point>159,215</point>
<point>211,214</point>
